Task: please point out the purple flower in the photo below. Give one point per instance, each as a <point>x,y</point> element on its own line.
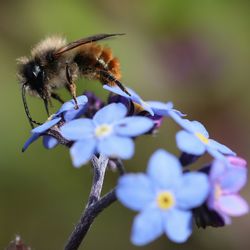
<point>195,140</point>
<point>134,97</point>
<point>164,197</point>
<point>93,105</point>
<point>227,179</point>
<point>67,112</point>
<point>108,133</point>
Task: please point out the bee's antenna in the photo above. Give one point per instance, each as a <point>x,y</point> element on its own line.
<point>26,108</point>
<point>46,105</point>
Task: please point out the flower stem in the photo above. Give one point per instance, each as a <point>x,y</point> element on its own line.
<point>94,206</point>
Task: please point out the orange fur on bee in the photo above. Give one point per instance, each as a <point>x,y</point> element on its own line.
<point>114,67</point>
<point>106,55</point>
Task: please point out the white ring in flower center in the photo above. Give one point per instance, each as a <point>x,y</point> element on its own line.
<point>103,130</point>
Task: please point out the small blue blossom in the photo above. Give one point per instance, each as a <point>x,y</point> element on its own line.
<point>68,108</point>
<point>156,109</point>
<point>194,140</point>
<point>161,110</point>
<point>108,133</point>
<point>67,112</point>
<point>48,141</point>
<point>164,197</point>
<point>134,97</point>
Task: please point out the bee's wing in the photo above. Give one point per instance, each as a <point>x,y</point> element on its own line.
<point>83,41</point>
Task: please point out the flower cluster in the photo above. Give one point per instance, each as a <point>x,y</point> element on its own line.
<point>168,196</point>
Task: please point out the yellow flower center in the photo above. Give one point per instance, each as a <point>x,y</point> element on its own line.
<point>165,200</point>
<point>202,138</point>
<point>103,130</point>
<point>217,191</point>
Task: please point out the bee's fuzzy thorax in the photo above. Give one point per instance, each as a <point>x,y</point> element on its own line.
<point>49,43</point>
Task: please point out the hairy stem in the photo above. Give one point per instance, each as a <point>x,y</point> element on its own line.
<point>94,206</point>
<point>99,168</point>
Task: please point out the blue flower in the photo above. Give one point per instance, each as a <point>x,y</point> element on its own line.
<point>48,141</point>
<point>161,110</point>
<point>68,108</point>
<point>108,133</point>
<point>67,112</point>
<point>195,140</point>
<point>156,109</point>
<point>134,97</point>
<point>164,197</point>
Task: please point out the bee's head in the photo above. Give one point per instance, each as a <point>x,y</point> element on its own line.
<point>32,74</point>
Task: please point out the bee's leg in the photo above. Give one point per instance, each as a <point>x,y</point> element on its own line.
<point>57,97</point>
<point>71,85</point>
<point>106,76</point>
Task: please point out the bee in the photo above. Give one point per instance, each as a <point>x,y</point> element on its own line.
<point>54,64</point>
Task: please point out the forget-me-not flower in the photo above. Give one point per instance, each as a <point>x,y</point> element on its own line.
<point>133,97</point>
<point>164,197</point>
<point>194,140</point>
<point>227,179</point>
<point>66,113</point>
<point>108,133</point>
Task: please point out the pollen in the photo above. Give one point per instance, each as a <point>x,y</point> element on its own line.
<point>165,200</point>
<point>103,130</point>
<point>202,138</point>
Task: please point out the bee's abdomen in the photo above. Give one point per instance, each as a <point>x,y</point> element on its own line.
<point>93,58</point>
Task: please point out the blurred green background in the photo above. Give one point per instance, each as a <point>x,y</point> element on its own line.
<point>194,53</point>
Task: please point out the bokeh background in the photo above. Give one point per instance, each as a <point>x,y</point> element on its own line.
<point>194,53</point>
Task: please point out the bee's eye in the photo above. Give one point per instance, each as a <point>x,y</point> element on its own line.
<point>36,70</point>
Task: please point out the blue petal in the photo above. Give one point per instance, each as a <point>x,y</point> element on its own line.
<point>134,97</point>
<point>178,225</point>
<point>160,108</point>
<point>216,154</point>
<point>135,191</point>
<point>74,113</point>
<point>147,226</point>
<point>164,169</point>
<point>189,143</point>
<point>33,138</point>
<point>70,105</point>
<point>220,147</point>
<point>116,147</point>
<point>44,127</point>
<point>78,129</point>
<point>82,151</point>
<point>110,114</point>
<point>116,90</point>
<point>49,141</point>
<point>133,126</point>
<point>184,123</point>
<point>199,128</point>
<point>192,191</point>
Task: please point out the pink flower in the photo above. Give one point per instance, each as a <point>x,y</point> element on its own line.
<point>226,180</point>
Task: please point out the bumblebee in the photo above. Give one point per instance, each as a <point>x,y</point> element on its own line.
<point>54,64</point>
